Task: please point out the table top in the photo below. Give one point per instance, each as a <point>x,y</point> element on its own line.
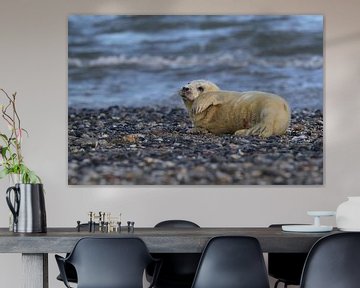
<point>158,240</point>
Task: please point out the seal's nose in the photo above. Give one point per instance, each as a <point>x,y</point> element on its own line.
<point>185,89</point>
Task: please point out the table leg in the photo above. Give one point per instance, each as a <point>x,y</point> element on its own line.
<point>35,270</point>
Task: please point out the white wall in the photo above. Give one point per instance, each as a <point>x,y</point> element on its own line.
<point>33,62</point>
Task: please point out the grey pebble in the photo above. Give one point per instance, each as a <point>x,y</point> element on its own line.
<point>122,145</point>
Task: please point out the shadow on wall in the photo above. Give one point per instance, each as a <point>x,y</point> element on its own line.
<point>342,72</point>
<point>343,40</point>
<point>341,52</point>
<point>134,7</point>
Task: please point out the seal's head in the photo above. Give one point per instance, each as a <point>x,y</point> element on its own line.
<point>195,88</point>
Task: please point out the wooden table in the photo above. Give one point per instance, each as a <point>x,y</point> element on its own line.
<point>35,247</point>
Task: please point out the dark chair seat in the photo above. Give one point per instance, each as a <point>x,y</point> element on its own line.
<point>286,267</point>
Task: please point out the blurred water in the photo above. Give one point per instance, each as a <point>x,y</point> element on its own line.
<point>144,60</point>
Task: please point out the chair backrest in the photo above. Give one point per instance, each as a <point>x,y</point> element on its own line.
<point>110,262</point>
<point>286,267</point>
<point>176,224</point>
<point>333,262</point>
<point>178,269</point>
<point>232,262</point>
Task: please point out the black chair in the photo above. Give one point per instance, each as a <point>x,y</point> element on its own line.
<point>232,262</point>
<point>286,267</point>
<point>178,269</point>
<point>176,224</point>
<point>69,269</point>
<point>108,263</point>
<point>333,262</point>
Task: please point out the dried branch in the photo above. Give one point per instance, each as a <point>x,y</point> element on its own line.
<point>10,152</point>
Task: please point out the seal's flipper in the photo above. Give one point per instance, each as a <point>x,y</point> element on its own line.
<point>260,129</point>
<point>204,101</point>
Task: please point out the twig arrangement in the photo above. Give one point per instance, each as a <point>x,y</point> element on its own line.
<point>11,159</point>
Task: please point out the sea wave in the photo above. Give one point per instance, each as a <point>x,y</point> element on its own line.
<point>238,59</point>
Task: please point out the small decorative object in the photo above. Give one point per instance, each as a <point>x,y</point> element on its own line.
<point>348,214</point>
<point>130,226</point>
<point>78,225</point>
<point>105,221</point>
<point>316,227</point>
<point>25,197</point>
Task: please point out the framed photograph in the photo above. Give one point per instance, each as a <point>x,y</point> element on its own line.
<point>195,99</point>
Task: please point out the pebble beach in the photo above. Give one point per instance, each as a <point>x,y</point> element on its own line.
<point>155,146</point>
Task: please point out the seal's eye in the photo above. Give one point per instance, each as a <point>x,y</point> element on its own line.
<point>201,89</point>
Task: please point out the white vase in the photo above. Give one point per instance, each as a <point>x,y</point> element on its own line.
<point>348,215</point>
